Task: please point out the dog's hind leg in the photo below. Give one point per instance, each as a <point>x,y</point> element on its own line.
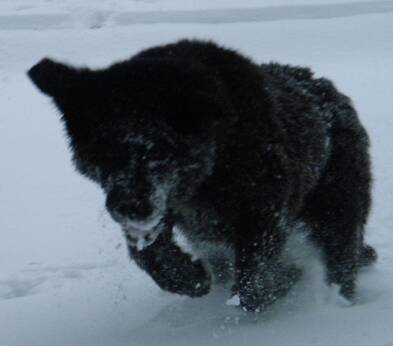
<point>338,208</point>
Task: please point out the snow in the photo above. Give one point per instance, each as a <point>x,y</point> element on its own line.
<point>233,301</point>
<point>46,14</point>
<point>65,277</point>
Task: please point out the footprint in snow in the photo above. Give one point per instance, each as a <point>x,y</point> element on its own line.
<point>30,281</point>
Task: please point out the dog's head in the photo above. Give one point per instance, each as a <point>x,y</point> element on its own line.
<point>144,130</point>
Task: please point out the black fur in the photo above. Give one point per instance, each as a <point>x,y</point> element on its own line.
<point>235,154</point>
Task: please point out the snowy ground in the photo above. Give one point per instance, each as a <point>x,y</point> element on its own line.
<point>59,14</point>
<point>65,278</point>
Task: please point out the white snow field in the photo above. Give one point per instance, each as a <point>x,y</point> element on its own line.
<point>65,276</point>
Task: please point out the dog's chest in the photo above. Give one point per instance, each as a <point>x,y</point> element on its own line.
<point>202,224</point>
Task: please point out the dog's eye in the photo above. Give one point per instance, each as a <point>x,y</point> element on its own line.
<point>108,162</point>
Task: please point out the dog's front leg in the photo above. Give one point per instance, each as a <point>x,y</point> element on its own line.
<point>171,268</point>
<point>261,275</point>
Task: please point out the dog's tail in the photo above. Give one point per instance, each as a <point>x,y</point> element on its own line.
<point>367,256</point>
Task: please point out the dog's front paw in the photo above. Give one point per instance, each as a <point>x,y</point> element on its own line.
<point>191,279</point>
<point>259,290</point>
<point>253,296</point>
<point>171,268</point>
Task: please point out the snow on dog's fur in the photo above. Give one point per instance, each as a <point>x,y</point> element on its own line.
<point>235,154</point>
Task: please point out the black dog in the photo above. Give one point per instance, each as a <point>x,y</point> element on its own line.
<point>234,154</point>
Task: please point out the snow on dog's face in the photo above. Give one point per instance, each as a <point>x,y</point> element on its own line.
<point>144,130</point>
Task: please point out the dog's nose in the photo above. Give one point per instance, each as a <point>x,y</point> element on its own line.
<point>123,207</point>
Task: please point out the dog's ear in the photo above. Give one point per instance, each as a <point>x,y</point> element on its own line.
<point>53,78</point>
